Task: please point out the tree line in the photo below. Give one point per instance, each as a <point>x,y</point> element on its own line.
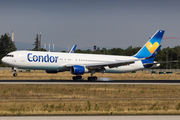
<point>165,54</point>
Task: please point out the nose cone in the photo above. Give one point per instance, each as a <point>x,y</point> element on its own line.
<point>3,60</point>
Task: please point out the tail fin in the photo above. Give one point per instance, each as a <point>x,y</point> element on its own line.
<point>151,46</point>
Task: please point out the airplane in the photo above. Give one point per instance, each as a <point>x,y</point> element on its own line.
<point>79,64</point>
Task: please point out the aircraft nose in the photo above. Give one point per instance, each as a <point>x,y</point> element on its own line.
<point>6,61</point>
<point>3,60</point>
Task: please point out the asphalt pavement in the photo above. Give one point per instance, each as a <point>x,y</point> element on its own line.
<point>137,82</point>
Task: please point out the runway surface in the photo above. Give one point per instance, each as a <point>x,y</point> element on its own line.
<point>139,117</point>
<point>137,82</point>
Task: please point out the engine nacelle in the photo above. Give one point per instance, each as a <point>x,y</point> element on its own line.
<point>52,71</point>
<point>78,70</point>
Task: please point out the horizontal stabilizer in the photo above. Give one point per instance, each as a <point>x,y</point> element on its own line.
<point>160,62</point>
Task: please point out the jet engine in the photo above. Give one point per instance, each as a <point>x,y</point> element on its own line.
<point>78,70</point>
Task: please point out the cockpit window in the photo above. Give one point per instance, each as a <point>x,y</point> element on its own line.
<point>9,55</point>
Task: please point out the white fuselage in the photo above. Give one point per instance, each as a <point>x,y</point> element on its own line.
<point>57,61</point>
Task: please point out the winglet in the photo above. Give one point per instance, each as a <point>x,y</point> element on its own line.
<point>73,49</point>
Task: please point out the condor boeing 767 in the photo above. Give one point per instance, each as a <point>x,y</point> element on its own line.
<point>78,64</point>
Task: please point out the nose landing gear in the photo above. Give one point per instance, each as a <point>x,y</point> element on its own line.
<point>14,72</point>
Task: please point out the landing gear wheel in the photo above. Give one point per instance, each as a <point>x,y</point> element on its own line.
<point>15,74</point>
<point>94,78</point>
<point>77,77</point>
<point>74,78</point>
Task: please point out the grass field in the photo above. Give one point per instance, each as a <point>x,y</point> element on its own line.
<point>89,99</point>
<point>38,75</point>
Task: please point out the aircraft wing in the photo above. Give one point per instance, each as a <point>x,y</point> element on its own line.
<point>109,64</point>
<point>160,62</point>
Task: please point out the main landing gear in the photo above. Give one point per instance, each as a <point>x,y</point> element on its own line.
<point>92,78</point>
<point>77,77</point>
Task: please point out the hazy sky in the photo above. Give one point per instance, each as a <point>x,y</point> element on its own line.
<point>106,23</point>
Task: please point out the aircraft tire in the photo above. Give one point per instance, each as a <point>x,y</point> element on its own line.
<point>89,78</point>
<point>92,78</point>
<point>15,74</point>
<point>77,77</point>
<point>74,78</point>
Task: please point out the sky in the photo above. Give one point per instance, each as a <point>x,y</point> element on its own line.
<point>104,23</point>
